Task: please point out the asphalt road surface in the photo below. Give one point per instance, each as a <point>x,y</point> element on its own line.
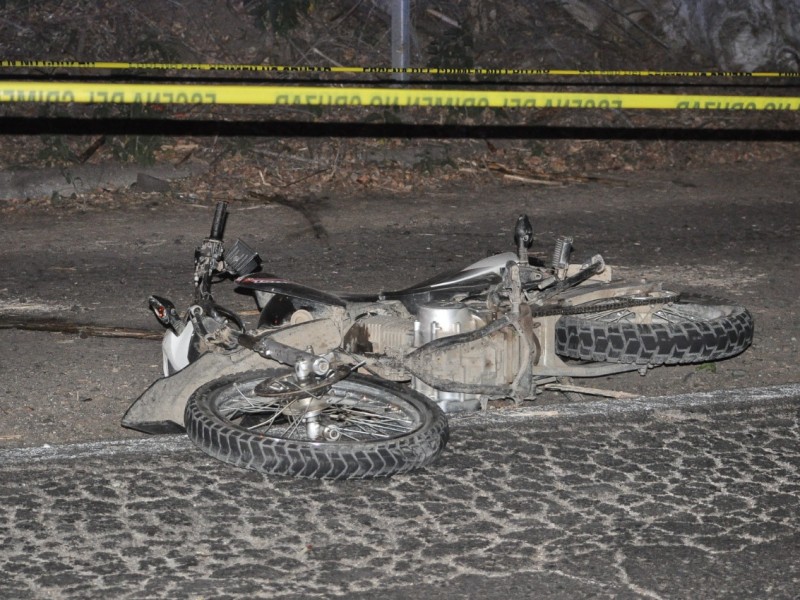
<point>682,497</point>
<point>697,497</point>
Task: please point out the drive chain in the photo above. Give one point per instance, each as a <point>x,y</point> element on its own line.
<point>612,304</point>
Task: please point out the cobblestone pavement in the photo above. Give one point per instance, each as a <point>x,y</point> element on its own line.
<point>692,496</point>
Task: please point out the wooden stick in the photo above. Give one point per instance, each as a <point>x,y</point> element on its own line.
<point>83,330</point>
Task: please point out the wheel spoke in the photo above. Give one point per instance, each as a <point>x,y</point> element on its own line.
<point>675,315</point>
<point>349,412</point>
<point>354,434</point>
<point>397,426</point>
<point>378,421</point>
<point>295,424</point>
<point>612,317</point>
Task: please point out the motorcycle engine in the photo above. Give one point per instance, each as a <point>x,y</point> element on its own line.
<point>486,362</point>
<point>437,320</point>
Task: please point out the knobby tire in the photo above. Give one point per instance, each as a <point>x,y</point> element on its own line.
<point>229,441</point>
<point>725,332</point>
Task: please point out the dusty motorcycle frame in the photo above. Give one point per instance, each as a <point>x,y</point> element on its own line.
<point>508,326</point>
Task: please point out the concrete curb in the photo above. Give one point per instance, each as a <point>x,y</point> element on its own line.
<point>150,445</point>
<point>611,409</point>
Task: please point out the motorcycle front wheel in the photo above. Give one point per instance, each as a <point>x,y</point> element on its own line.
<point>359,427</point>
<point>690,330</point>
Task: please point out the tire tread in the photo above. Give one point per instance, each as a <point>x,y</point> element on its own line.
<point>295,458</point>
<point>680,343</point>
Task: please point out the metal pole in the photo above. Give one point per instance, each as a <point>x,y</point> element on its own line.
<point>401,37</point>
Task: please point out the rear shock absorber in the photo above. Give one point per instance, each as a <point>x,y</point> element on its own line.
<point>561,256</point>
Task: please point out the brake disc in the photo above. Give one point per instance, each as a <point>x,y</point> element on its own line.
<point>287,388</point>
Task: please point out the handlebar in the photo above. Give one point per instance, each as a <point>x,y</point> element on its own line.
<point>218,225</point>
<point>208,255</point>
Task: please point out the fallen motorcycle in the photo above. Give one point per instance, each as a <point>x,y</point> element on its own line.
<point>342,386</point>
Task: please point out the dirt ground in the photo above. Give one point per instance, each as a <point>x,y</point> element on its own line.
<point>727,231</point>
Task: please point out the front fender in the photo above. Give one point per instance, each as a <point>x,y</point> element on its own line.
<point>160,408</point>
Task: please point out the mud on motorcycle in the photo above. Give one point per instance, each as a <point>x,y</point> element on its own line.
<point>343,385</point>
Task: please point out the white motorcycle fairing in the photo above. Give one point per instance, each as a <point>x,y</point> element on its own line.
<point>175,349</point>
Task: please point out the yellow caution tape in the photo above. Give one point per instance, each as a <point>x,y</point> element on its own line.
<point>150,93</point>
<point>67,64</point>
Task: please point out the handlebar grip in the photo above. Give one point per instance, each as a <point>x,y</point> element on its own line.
<point>218,225</point>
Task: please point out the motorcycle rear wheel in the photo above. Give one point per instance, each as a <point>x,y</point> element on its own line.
<point>691,330</point>
<point>362,427</point>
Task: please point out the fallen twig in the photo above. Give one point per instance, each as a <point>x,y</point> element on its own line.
<point>306,211</point>
<point>544,178</point>
<point>532,180</point>
<point>94,147</point>
<point>326,57</point>
<point>435,13</point>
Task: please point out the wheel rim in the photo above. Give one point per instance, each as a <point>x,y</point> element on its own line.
<point>348,411</point>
